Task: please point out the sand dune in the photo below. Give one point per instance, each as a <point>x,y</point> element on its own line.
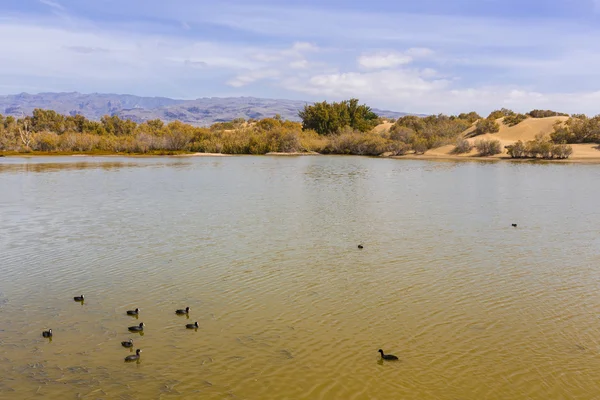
<point>383,128</point>
<point>525,131</point>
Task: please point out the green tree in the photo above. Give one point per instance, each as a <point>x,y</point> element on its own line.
<point>487,125</point>
<point>327,119</point>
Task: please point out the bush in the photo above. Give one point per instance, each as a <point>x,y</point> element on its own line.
<point>45,141</point>
<point>401,134</point>
<point>486,126</point>
<point>545,114</point>
<point>419,145</point>
<point>469,117</point>
<point>504,112</point>
<point>488,147</point>
<point>561,151</point>
<point>542,147</point>
<point>462,146</point>
<point>351,142</point>
<point>517,150</point>
<point>580,129</point>
<point>514,119</point>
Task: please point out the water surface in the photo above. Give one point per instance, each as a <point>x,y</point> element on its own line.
<point>264,251</point>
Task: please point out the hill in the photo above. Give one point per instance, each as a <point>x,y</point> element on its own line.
<point>507,135</point>
<point>200,112</point>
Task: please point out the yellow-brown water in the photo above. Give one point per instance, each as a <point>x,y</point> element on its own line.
<point>264,251</point>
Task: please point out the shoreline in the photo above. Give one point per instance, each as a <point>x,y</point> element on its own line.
<point>423,157</point>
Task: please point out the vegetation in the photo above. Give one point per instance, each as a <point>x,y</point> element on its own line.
<point>462,146</point>
<point>514,119</point>
<point>545,114</point>
<point>541,147</point>
<point>577,129</point>
<point>423,133</point>
<point>336,128</point>
<point>329,119</point>
<point>487,125</point>
<point>503,112</point>
<point>469,117</point>
<point>488,147</point>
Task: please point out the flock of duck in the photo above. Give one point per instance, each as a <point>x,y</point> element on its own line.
<point>185,311</point>
<point>136,328</point>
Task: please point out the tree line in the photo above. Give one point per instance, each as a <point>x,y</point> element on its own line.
<point>329,128</point>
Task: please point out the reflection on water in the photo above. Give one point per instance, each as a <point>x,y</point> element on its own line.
<point>264,251</point>
<point>58,164</point>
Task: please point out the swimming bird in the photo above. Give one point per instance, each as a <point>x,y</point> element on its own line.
<point>128,343</point>
<point>134,357</point>
<point>47,333</point>
<point>78,298</point>
<point>514,225</point>
<point>192,326</point>
<point>137,328</point>
<point>182,312</point>
<point>133,312</point>
<point>360,246</point>
<point>388,357</point>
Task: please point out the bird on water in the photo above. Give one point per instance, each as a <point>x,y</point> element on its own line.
<point>78,298</point>
<point>134,357</point>
<point>389,357</point>
<point>137,328</point>
<point>514,225</point>
<point>133,312</point>
<point>360,246</point>
<point>192,326</point>
<point>183,312</point>
<point>127,343</point>
<point>47,333</point>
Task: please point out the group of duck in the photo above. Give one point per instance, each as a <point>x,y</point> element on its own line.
<point>136,328</point>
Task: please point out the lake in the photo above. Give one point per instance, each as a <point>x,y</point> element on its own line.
<point>264,252</point>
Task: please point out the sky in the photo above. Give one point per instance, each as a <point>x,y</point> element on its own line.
<point>425,56</point>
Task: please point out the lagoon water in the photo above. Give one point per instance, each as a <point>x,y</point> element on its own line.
<point>264,251</point>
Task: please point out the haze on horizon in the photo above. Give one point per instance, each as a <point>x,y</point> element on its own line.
<point>429,56</point>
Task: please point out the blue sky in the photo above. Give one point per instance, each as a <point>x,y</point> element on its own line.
<point>424,56</point>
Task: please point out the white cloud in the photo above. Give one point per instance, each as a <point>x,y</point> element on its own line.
<point>299,64</point>
<point>390,84</point>
<point>433,64</point>
<point>253,76</point>
<point>383,60</point>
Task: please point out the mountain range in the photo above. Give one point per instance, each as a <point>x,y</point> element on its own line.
<point>201,112</point>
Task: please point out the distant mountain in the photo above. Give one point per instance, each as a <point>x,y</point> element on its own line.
<point>202,112</point>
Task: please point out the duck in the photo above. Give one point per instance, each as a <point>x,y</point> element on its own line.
<point>192,326</point>
<point>47,333</point>
<point>128,343</point>
<point>133,312</point>
<point>182,312</point>
<point>388,357</point>
<point>137,328</point>
<point>134,357</point>
<point>360,246</point>
<point>514,225</point>
<point>78,298</point>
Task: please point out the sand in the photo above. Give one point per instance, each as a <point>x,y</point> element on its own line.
<point>525,131</point>
<point>203,155</point>
<point>297,153</point>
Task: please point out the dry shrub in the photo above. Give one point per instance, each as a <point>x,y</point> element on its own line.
<point>367,144</point>
<point>488,147</point>
<point>45,141</point>
<point>71,141</point>
<point>462,146</point>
